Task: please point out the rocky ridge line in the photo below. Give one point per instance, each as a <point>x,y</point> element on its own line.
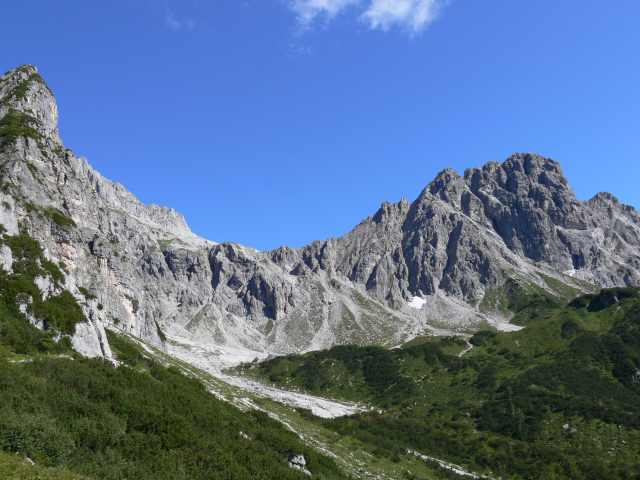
<point>459,246</point>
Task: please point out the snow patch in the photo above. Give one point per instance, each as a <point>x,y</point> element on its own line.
<point>417,302</point>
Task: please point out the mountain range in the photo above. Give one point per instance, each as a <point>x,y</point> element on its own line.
<point>489,329</point>
<point>500,246</point>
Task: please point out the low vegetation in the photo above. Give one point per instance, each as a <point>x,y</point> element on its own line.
<point>139,420</point>
<point>21,90</point>
<point>60,311</point>
<point>16,124</point>
<point>86,418</point>
<point>527,303</point>
<point>19,467</point>
<point>61,219</point>
<point>558,399</point>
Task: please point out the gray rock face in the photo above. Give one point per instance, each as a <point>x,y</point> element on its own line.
<point>460,241</point>
<point>461,233</point>
<point>112,237</point>
<point>37,102</point>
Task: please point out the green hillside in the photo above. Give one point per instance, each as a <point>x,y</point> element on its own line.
<point>76,417</point>
<point>557,399</point>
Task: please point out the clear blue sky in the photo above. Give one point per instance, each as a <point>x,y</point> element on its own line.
<point>271,122</point>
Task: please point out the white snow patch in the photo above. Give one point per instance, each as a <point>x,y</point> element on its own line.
<point>417,302</point>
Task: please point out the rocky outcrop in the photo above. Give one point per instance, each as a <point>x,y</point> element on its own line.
<point>462,233</point>
<point>299,463</point>
<point>461,241</point>
<point>102,235</point>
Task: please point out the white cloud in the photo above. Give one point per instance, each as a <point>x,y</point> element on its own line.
<point>412,15</point>
<point>173,24</point>
<point>296,51</point>
<point>308,10</point>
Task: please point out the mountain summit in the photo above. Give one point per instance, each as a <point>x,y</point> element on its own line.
<point>461,256</point>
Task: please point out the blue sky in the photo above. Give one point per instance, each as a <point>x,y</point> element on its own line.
<point>276,122</point>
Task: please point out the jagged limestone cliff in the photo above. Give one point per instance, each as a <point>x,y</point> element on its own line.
<point>450,260</point>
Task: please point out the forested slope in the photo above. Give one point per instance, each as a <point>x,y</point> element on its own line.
<point>558,399</point>
<point>76,416</point>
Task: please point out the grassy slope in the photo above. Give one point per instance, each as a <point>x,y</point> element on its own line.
<point>354,456</point>
<point>15,467</point>
<point>152,417</point>
<point>139,420</point>
<point>502,407</point>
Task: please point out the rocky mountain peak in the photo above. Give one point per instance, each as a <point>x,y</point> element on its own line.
<point>23,91</point>
<point>448,186</point>
<point>531,163</point>
<point>464,242</point>
<point>606,197</point>
<point>519,175</point>
<point>525,184</point>
<point>609,206</point>
<point>389,211</point>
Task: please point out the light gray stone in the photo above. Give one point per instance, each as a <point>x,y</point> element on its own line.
<point>299,463</point>
<point>462,237</point>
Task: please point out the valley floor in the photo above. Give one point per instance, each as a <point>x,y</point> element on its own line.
<point>291,409</point>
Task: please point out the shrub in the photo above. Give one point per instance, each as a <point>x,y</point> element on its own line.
<point>61,312</point>
<point>482,338</point>
<point>59,218</point>
<point>85,292</point>
<point>16,124</point>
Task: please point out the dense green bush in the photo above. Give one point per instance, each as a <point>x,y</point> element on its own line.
<point>16,124</point>
<point>374,369</point>
<point>150,422</point>
<point>29,259</point>
<point>482,338</point>
<point>61,312</point>
<point>59,218</point>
